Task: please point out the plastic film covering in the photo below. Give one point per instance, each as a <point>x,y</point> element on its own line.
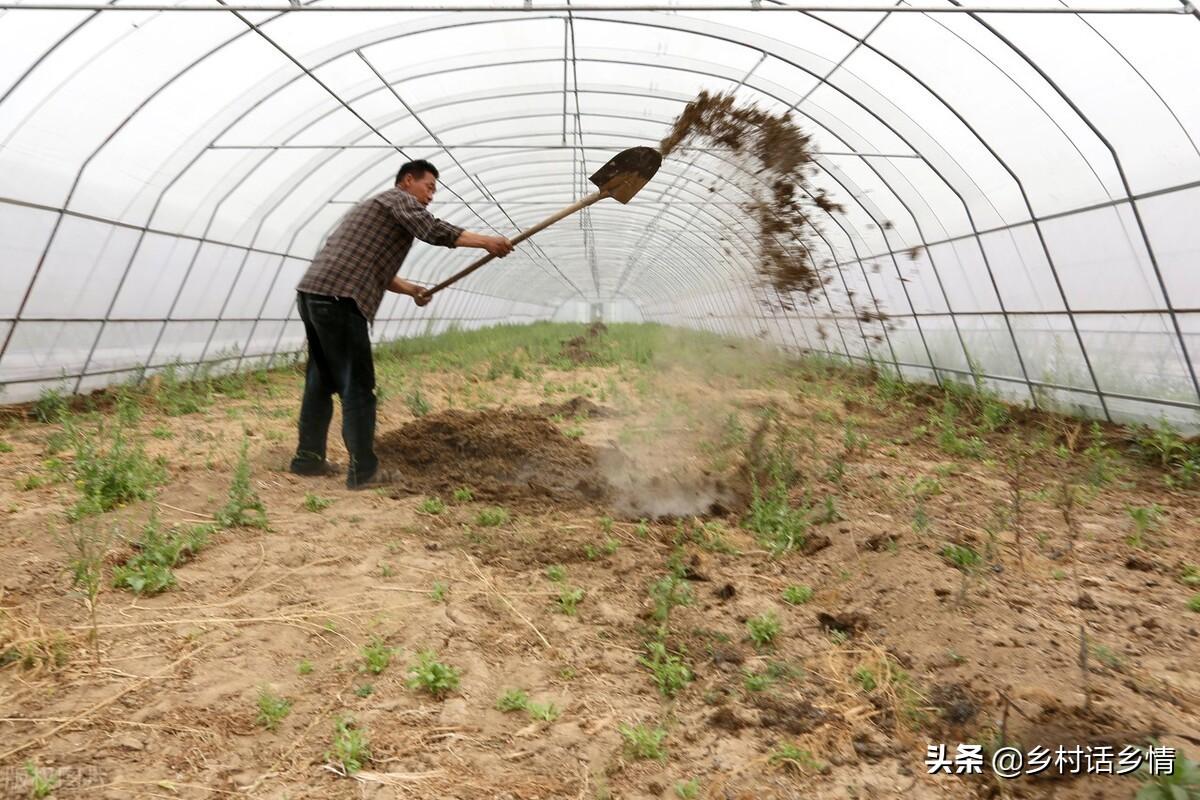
<point>1020,184</point>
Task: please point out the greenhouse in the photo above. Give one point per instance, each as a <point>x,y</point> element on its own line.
<point>830,399</point>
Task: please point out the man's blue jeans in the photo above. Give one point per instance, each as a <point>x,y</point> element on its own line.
<point>339,362</point>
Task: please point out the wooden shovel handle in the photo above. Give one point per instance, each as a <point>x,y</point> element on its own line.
<point>520,237</point>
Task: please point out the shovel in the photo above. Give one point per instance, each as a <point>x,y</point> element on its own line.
<point>621,178</point>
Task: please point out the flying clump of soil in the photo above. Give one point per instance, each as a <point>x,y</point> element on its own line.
<point>773,148</point>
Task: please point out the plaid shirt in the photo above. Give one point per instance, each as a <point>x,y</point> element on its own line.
<point>366,250</point>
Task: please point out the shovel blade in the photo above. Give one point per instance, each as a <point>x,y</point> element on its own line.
<point>627,172</point>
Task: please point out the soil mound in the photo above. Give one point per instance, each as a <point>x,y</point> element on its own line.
<point>499,454</point>
<point>518,455</point>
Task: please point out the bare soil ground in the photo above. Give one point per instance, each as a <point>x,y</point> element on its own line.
<point>896,649</point>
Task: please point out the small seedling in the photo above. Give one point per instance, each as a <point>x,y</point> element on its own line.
<point>271,708</point>
<point>439,592</point>
<point>1194,603</point>
<point>763,629</point>
<point>513,700</point>
<point>667,593</point>
<point>545,712</point>
<point>492,517</point>
<point>1190,575</point>
<point>376,656</point>
<point>305,667</point>
<point>556,573</point>
<point>86,548</point>
<point>430,675</point>
<point>961,556</point>
<point>416,402</point>
<point>463,494</point>
<point>757,681</point>
<point>669,672</point>
<point>39,785</point>
<point>1181,782</point>
<point>316,503</point>
<point>1145,519</point>
<point>365,690</point>
<point>387,570</point>
<point>687,790</point>
<point>244,508</point>
<point>792,757</point>
<point>569,600</point>
<point>432,505</point>
<point>642,742</point>
<point>797,595</point>
<point>350,748</point>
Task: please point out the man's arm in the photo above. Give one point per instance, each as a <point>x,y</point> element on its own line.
<point>497,246</point>
<point>428,228</point>
<point>401,286</point>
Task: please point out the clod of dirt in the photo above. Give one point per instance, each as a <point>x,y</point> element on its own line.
<point>576,351</point>
<point>728,719</point>
<point>1140,564</point>
<point>847,623</point>
<point>793,716</point>
<point>882,541</point>
<point>1057,725</point>
<point>725,654</point>
<point>815,543</point>
<point>954,703</point>
<point>499,454</point>
<point>576,406</point>
<point>726,591</point>
<point>1086,602</point>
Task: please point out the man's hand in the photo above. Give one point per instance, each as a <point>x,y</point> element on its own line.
<point>421,299</point>
<point>497,246</point>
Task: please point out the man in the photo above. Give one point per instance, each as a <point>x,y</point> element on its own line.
<point>339,295</point>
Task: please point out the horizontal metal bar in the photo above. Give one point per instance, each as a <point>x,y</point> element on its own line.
<point>827,318</point>
<point>529,147</point>
<point>749,6</point>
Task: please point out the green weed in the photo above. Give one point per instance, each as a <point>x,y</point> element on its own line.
<point>669,672</point>
<point>432,676</point>
<point>315,503</point>
<point>271,708</point>
<point>243,508</point>
<point>350,747</point>
<point>438,595</point>
<point>797,595</point>
<point>763,629</point>
<point>492,517</point>
<point>40,785</point>
<point>569,599</point>
<point>376,656</point>
<point>642,742</point>
<point>687,790</point>
<point>792,757</point>
<point>432,505</point>
<point>556,573</point>
<point>513,700</point>
<point>1145,519</point>
<point>463,494</point>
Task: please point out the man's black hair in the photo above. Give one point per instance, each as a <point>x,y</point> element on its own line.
<point>416,169</point>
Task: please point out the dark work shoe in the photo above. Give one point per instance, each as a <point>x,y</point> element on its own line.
<point>314,469</point>
<point>377,479</point>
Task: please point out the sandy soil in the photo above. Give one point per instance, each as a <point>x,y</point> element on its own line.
<point>170,708</point>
